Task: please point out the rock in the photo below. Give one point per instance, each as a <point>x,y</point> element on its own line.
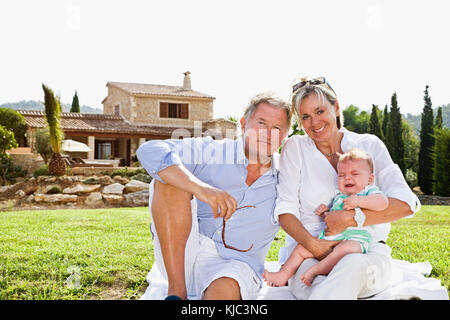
<point>105,180</point>
<point>94,199</point>
<point>121,180</point>
<point>113,198</point>
<point>137,199</point>
<point>20,194</point>
<point>59,197</point>
<point>82,188</point>
<point>30,198</point>
<point>115,188</point>
<point>135,185</point>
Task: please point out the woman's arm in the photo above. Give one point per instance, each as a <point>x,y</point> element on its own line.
<point>337,221</point>
<point>319,248</point>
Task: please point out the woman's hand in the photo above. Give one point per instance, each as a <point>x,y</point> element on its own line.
<point>339,220</point>
<point>320,248</point>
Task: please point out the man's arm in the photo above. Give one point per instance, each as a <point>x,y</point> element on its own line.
<point>222,204</point>
<point>338,221</point>
<point>173,161</point>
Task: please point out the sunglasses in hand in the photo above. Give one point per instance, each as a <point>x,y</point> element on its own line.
<point>223,234</point>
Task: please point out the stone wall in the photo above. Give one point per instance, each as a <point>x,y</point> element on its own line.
<point>74,192</point>
<point>28,161</point>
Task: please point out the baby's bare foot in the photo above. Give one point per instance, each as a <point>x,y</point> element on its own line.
<point>307,278</point>
<point>274,279</point>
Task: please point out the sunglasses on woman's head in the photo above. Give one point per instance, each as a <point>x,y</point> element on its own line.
<point>316,81</point>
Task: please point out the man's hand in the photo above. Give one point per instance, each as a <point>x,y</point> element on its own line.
<point>339,220</point>
<point>223,205</point>
<point>351,202</point>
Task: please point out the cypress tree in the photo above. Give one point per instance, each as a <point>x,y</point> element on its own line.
<point>385,122</point>
<point>75,104</point>
<point>442,162</point>
<point>374,123</point>
<point>394,138</point>
<point>438,122</point>
<point>425,172</point>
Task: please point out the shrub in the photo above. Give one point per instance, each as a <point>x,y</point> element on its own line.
<point>54,190</point>
<point>42,171</point>
<point>441,157</point>
<point>126,172</point>
<point>411,178</point>
<point>43,146</point>
<point>9,172</point>
<point>142,177</point>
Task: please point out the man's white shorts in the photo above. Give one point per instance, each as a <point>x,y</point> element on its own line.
<point>203,265</point>
<point>209,266</point>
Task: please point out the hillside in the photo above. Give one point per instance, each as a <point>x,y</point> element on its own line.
<point>414,119</point>
<point>39,105</point>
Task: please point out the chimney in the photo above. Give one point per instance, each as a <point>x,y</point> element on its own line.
<point>187,81</point>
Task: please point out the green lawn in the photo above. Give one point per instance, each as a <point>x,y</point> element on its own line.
<point>106,253</point>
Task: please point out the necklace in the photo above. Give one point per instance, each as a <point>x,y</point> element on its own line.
<point>330,154</point>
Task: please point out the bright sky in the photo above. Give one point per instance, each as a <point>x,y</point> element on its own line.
<point>234,49</point>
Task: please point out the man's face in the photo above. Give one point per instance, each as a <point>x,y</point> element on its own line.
<point>264,132</point>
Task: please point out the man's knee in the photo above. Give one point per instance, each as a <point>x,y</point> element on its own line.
<point>223,288</point>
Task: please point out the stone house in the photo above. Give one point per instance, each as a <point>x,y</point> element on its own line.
<point>134,113</point>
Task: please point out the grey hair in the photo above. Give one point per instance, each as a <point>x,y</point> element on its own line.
<point>322,92</point>
<point>272,99</point>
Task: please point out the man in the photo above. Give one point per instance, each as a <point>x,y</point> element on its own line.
<point>233,181</point>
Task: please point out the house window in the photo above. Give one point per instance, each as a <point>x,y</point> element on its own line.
<point>174,110</point>
<point>103,150</point>
<point>117,110</point>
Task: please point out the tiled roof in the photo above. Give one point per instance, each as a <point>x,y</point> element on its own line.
<point>91,122</point>
<point>157,89</point>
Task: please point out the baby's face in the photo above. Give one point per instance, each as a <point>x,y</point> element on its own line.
<point>353,176</point>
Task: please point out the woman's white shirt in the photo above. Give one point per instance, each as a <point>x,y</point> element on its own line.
<point>307,179</point>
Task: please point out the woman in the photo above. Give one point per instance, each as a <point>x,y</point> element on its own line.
<point>308,177</point>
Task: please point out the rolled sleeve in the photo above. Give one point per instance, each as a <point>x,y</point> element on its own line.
<point>289,181</point>
<point>157,155</point>
<point>389,177</point>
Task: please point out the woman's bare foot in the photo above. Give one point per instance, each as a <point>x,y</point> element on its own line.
<point>275,279</point>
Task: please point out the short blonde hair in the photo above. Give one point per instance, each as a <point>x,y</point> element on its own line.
<point>272,99</point>
<point>356,154</point>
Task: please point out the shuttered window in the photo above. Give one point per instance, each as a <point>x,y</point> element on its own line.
<point>174,110</point>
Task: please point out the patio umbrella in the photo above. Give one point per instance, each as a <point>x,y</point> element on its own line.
<point>74,146</point>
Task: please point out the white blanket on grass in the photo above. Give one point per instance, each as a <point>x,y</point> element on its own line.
<point>409,280</point>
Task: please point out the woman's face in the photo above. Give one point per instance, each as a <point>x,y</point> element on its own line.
<point>319,117</point>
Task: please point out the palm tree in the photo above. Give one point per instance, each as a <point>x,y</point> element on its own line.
<point>57,165</point>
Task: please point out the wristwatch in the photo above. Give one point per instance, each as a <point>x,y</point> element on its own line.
<point>359,217</point>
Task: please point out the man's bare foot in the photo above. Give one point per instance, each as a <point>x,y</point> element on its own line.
<point>275,279</point>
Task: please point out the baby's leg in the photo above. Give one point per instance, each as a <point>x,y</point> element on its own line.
<point>327,264</point>
<point>280,278</point>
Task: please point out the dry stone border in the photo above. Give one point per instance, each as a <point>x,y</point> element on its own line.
<point>74,192</point>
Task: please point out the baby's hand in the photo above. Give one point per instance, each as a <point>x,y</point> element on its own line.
<point>350,202</point>
<point>321,210</point>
